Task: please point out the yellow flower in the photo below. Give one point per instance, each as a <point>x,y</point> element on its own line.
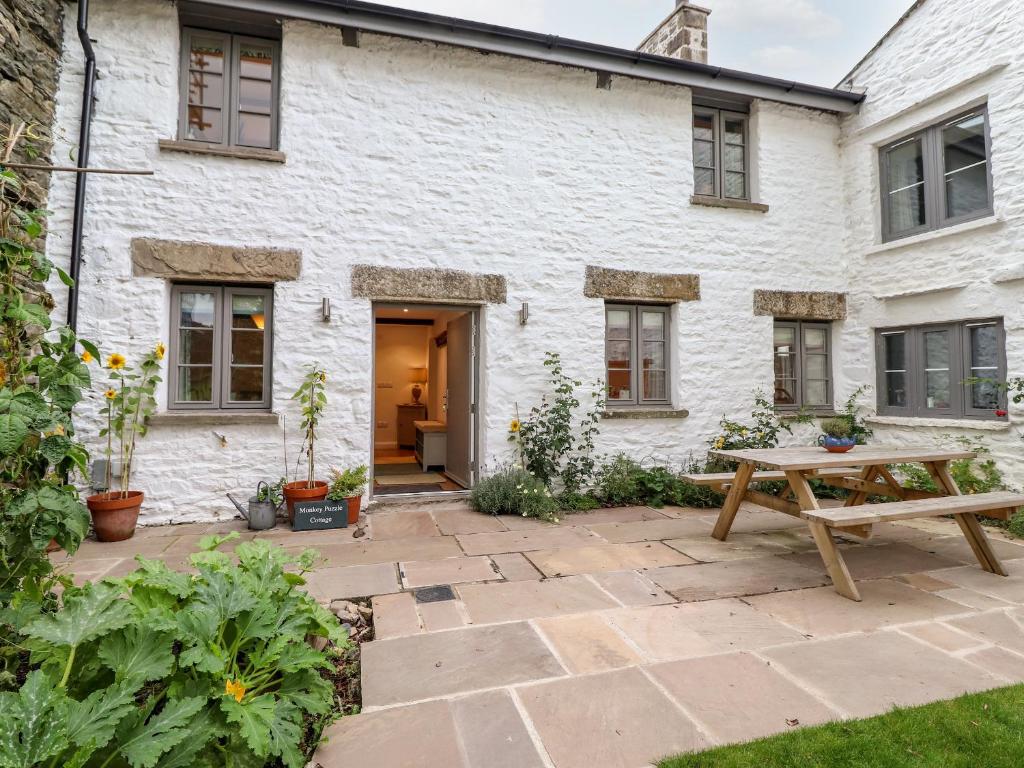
<point>160,351</point>
<point>234,688</point>
<point>59,429</point>
<point>719,443</point>
<point>514,426</point>
<point>86,357</point>
<point>116,361</point>
<point>110,394</point>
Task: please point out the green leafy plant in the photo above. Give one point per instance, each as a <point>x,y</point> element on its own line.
<point>624,481</point>
<point>129,402</point>
<point>272,493</point>
<point>837,428</point>
<point>764,431</point>
<point>859,431</point>
<point>163,669</point>
<point>514,491</point>
<point>347,483</point>
<point>313,399</point>
<point>556,442</point>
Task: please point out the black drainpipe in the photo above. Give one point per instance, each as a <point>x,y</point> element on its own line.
<point>83,161</point>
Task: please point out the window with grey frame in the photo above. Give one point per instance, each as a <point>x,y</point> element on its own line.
<point>948,370</point>
<point>721,149</point>
<point>229,89</point>
<point>637,354</point>
<point>937,177</point>
<point>803,364</point>
<point>220,347</point>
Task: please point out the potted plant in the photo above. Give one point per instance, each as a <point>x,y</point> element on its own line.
<point>837,436</point>
<point>130,401</point>
<point>347,485</point>
<point>313,400</point>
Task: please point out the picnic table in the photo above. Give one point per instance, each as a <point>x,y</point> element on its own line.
<point>865,472</point>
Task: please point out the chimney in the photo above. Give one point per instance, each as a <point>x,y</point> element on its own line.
<point>683,35</point>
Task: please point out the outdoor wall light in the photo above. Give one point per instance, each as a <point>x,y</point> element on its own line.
<point>524,313</point>
<point>325,310</point>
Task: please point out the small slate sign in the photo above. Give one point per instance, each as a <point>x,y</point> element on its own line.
<point>320,515</point>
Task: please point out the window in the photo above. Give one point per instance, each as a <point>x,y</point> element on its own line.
<point>938,177</point>
<point>229,89</point>
<point>803,366</point>
<point>720,154</point>
<point>927,370</point>
<point>220,347</point>
<point>636,354</point>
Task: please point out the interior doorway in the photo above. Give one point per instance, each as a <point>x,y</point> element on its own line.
<point>425,384</point>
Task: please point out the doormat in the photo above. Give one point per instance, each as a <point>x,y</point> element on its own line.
<point>399,490</point>
<point>410,478</point>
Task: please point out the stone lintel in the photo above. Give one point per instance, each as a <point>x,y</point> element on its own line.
<point>447,286</point>
<point>601,283</point>
<point>177,260</point>
<point>802,305</point>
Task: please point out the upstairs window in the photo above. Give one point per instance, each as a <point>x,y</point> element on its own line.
<point>721,164</point>
<point>949,370</point>
<point>229,89</point>
<point>938,177</point>
<point>803,365</point>
<point>636,354</point>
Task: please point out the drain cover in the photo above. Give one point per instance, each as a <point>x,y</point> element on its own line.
<point>434,594</point>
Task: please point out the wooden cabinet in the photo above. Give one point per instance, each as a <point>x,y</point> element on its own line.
<point>407,415</point>
<point>431,444</point>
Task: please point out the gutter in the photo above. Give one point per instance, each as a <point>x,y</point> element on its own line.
<point>490,38</point>
<point>84,135</point>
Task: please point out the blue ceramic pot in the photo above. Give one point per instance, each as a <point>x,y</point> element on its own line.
<point>836,444</point>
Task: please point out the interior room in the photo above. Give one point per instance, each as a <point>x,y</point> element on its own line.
<point>411,439</point>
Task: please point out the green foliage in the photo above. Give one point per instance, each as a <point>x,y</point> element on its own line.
<point>555,442</point>
<point>624,481</point>
<point>837,428</point>
<point>763,432</point>
<point>163,669</point>
<point>41,381</point>
<point>1016,525</point>
<point>347,483</point>
<point>129,402</point>
<point>514,491</point>
<point>272,493</point>
<point>313,399</point>
<point>977,475</point>
<point>859,431</point>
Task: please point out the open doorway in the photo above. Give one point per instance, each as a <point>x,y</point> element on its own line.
<point>425,394</point>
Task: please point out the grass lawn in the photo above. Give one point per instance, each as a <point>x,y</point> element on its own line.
<point>983,729</point>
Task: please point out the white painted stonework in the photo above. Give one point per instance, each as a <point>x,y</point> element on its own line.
<point>408,154</point>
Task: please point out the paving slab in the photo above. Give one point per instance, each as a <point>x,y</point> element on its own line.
<point>1000,662</point>
<point>189,544</point>
<point>612,515</point>
<point>90,549</point>
<point>520,523</point>
<point>925,581</point>
<point>942,636</point>
<point>493,733</point>
<point>605,557</point>
<point>652,530</point>
<point>613,720</point>
<point>395,616</point>
<point>1009,588</point>
<point>443,614</point>
<point>515,567</point>
<point>734,578</point>
<point>879,562</point>
<point>793,539</point>
<point>680,631</point>
<point>677,512</point>
<point>587,643</point>
<point>455,570</point>
<point>632,588</point>
<point>957,548</point>
<point>739,546</point>
<point>511,601</point>
<point>938,526</point>
<point>418,736</point>
<point>1002,628</point>
<point>739,697</point>
<point>971,599</point>
<point>524,541</point>
<point>870,674</point>
<point>434,664</point>
<point>327,584</point>
<point>129,565</point>
<point>363,552</point>
<point>752,519</point>
<point>401,524</point>
<point>452,521</point>
<point>823,612</point>
<point>890,533</point>
<point>91,570</point>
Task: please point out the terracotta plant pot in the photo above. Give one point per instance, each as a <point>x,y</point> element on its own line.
<point>354,503</point>
<point>115,514</point>
<point>300,491</point>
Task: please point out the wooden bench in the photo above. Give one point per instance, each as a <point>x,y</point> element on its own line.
<point>721,479</point>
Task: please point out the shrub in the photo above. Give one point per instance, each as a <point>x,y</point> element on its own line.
<point>624,481</point>
<point>837,427</point>
<point>977,475</point>
<point>1016,525</point>
<point>175,669</point>
<point>347,483</point>
<point>514,491</point>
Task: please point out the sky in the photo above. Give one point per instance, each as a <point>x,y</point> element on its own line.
<point>811,41</point>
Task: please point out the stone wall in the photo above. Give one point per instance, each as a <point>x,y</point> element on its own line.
<point>30,49</point>
<point>682,35</point>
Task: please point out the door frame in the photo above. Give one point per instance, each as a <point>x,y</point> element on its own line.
<point>476,435</point>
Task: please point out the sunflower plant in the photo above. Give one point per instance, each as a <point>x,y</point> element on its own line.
<point>129,401</point>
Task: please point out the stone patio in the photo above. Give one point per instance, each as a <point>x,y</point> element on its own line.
<point>624,635</point>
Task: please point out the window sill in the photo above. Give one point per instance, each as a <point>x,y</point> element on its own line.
<point>721,202</point>
<point>935,234</point>
<point>824,413</point>
<point>212,418</point>
<point>925,421</point>
<point>645,413</point>
<point>242,153</point>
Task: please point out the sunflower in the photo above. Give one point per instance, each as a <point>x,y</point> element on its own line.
<point>110,394</point>
<point>234,688</point>
<point>160,351</point>
<point>116,361</point>
<point>87,357</point>
<point>514,426</point>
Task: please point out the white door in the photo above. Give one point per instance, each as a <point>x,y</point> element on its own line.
<point>461,399</point>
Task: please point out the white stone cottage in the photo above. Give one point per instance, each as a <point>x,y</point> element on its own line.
<point>686,233</point>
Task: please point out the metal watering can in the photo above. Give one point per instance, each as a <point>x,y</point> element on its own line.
<point>261,515</point>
